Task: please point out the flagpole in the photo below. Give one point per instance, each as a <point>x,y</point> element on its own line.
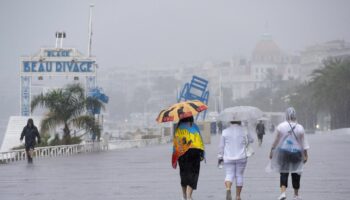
<point>90,30</point>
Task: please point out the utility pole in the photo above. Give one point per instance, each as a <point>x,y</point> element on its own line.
<point>221,102</point>
<point>90,30</point>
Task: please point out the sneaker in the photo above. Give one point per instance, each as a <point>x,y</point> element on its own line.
<point>297,198</point>
<point>282,196</point>
<point>228,195</point>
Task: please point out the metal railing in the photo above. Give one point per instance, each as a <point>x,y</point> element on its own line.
<point>67,150</point>
<point>124,144</point>
<point>51,151</point>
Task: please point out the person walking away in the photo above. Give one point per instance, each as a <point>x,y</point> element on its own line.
<point>232,152</point>
<point>106,138</point>
<point>289,153</point>
<point>30,133</point>
<point>260,131</point>
<point>188,151</point>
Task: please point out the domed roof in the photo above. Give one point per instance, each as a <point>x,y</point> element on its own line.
<point>266,50</point>
<point>266,46</point>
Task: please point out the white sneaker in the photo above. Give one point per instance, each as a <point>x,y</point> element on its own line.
<point>282,196</point>
<point>297,198</point>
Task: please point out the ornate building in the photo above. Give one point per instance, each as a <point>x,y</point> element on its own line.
<point>313,56</point>
<point>268,62</point>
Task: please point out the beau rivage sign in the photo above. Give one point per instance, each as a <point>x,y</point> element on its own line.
<point>58,62</point>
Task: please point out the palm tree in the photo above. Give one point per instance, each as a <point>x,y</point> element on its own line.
<point>68,107</point>
<point>331,86</point>
<point>306,105</point>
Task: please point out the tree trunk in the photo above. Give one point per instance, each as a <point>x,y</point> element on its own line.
<point>66,134</point>
<point>333,117</point>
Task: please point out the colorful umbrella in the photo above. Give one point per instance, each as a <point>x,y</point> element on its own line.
<point>181,110</point>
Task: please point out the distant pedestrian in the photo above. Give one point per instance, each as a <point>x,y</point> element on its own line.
<point>260,131</point>
<point>232,152</point>
<point>289,153</point>
<point>106,138</point>
<point>30,132</point>
<point>188,152</point>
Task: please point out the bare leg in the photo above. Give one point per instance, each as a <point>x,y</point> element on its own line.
<point>228,185</point>
<point>184,192</point>
<point>30,153</point>
<point>296,192</point>
<point>29,156</point>
<point>283,188</point>
<point>238,192</point>
<point>189,191</point>
<point>283,185</point>
<point>283,193</point>
<point>239,177</point>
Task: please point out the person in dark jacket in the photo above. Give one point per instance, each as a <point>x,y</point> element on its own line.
<point>30,132</point>
<point>260,131</point>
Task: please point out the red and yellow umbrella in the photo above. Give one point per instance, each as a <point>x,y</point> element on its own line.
<point>181,110</point>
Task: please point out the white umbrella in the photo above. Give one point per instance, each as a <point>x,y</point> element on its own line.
<point>240,113</point>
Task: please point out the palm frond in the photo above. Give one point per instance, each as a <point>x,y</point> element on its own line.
<point>75,89</point>
<point>39,100</point>
<point>50,122</point>
<point>88,123</point>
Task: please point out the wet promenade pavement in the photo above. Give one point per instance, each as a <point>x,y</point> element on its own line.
<point>146,174</point>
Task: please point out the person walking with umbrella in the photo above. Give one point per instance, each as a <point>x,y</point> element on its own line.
<point>235,148</point>
<point>30,132</point>
<point>188,146</point>
<point>232,152</point>
<point>289,153</point>
<point>188,152</point>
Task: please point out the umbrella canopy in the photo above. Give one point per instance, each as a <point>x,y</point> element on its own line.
<point>264,119</point>
<point>181,110</point>
<point>240,113</point>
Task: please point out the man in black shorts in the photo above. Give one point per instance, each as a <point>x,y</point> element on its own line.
<point>30,132</point>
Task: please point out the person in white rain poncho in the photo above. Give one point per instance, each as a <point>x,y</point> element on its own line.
<point>289,153</point>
